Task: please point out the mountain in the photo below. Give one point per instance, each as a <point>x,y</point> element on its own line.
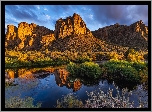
<point>135,35</point>
<point>72,34</point>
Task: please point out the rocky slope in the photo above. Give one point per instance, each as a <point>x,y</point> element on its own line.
<point>72,34</point>
<point>135,35</point>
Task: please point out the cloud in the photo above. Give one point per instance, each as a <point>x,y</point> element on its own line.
<point>90,16</point>
<point>95,16</point>
<point>22,12</point>
<point>47,17</point>
<point>123,14</point>
<point>38,6</point>
<point>46,9</point>
<point>83,8</point>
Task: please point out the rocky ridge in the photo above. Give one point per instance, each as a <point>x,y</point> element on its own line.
<point>135,35</point>
<point>72,34</point>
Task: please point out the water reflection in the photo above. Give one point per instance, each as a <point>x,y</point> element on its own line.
<point>63,78</point>
<point>49,84</point>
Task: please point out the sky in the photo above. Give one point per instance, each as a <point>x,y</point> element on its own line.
<point>95,16</point>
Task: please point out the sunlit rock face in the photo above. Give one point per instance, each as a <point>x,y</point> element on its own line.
<point>70,26</point>
<point>72,34</point>
<point>28,37</point>
<point>135,35</point>
<point>11,39</point>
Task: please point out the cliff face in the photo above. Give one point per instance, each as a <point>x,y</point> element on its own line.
<point>69,26</point>
<point>28,37</point>
<point>11,39</point>
<point>135,35</point>
<point>72,34</point>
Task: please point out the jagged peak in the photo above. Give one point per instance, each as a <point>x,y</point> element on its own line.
<point>75,14</point>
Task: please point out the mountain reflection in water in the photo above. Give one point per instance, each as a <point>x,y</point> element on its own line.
<point>47,85</point>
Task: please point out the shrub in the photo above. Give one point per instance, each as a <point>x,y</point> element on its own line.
<point>87,69</point>
<point>82,59</point>
<point>123,69</point>
<point>90,69</point>
<point>113,55</point>
<point>129,73</point>
<point>106,100</point>
<point>60,61</point>
<point>17,102</point>
<point>73,69</point>
<point>69,101</point>
<point>146,56</point>
<point>99,99</point>
<point>139,66</point>
<point>102,56</point>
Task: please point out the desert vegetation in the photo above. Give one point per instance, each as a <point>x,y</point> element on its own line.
<point>56,58</point>
<point>77,57</point>
<point>17,102</point>
<point>100,99</point>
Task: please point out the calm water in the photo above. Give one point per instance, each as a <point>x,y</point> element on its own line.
<point>49,88</point>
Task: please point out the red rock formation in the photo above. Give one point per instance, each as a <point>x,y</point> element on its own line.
<point>11,37</point>
<point>72,34</point>
<point>28,36</point>
<point>69,26</point>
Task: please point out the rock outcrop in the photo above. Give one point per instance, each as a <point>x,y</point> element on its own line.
<point>135,35</point>
<point>70,26</point>
<point>11,39</point>
<point>72,34</point>
<point>28,37</point>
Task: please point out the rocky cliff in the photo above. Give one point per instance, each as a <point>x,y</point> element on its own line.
<point>69,26</point>
<point>135,35</point>
<point>28,37</point>
<point>72,34</point>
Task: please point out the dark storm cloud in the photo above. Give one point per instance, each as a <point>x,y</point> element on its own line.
<point>142,12</point>
<point>110,14</point>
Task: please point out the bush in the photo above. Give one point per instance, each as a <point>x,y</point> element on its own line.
<point>17,102</point>
<point>82,59</point>
<point>100,99</point>
<point>123,69</point>
<point>139,66</point>
<point>87,69</point>
<point>69,101</point>
<point>90,69</point>
<point>146,56</point>
<point>73,69</point>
